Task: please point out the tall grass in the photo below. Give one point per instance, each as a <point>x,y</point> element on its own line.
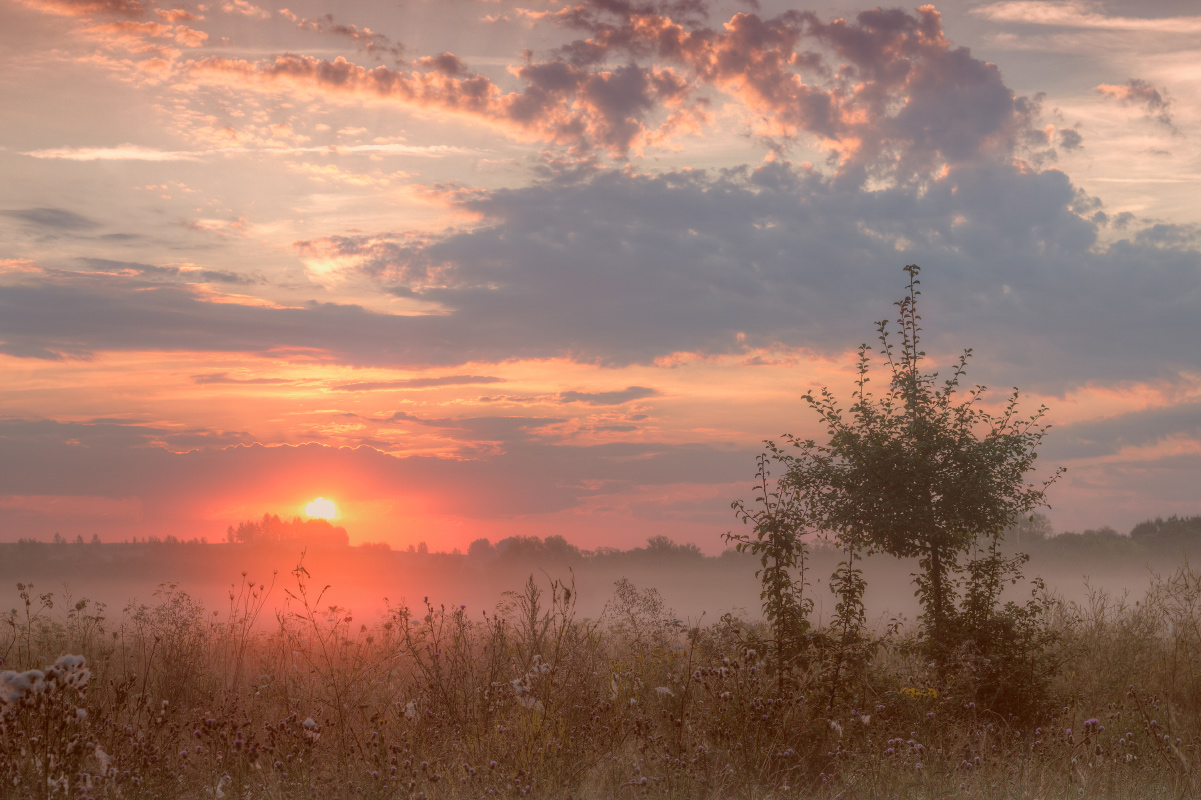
<point>171,700</point>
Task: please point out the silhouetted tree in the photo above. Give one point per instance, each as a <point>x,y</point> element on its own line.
<point>273,529</point>
<point>920,471</point>
<point>1173,532</point>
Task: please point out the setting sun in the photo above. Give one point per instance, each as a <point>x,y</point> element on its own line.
<point>321,508</point>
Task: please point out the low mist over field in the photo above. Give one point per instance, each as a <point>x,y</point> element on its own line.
<point>592,399</point>
<point>691,584</point>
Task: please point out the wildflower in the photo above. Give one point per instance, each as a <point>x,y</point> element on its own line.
<point>532,703</point>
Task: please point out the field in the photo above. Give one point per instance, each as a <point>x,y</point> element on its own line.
<point>283,695</point>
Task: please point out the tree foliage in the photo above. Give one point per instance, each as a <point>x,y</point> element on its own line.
<point>920,469</point>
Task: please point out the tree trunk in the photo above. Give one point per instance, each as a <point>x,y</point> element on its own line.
<point>937,618</point>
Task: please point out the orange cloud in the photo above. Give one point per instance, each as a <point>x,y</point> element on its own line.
<point>560,103</point>
<point>88,8</point>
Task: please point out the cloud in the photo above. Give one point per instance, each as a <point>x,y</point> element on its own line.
<point>123,152</point>
<point>416,383</point>
<point>492,429</point>
<point>886,95</point>
<point>1077,14</point>
<point>614,398</point>
<point>224,377</point>
<point>245,8</point>
<point>129,152</point>
<point>371,42</point>
<point>88,8</point>
<point>624,268</point>
<point>559,103</point>
<point>896,99</point>
<point>103,459</point>
<point>1131,429</point>
<point>1070,139</point>
<point>1137,92</point>
<point>190,274</point>
<point>56,218</point>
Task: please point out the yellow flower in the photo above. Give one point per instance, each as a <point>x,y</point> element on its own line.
<point>930,692</point>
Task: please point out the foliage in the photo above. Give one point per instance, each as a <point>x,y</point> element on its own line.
<point>776,539</point>
<point>1173,532</point>
<point>920,471</point>
<point>271,528</point>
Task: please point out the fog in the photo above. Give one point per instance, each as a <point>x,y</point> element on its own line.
<point>366,580</point>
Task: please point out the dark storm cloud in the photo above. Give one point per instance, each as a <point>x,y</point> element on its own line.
<point>54,218</point>
<point>120,461</point>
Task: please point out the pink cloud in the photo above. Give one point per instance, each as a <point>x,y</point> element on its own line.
<point>886,93</point>
<point>1138,92</point>
<point>88,8</point>
<point>560,103</point>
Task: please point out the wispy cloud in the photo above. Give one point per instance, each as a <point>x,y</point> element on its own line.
<point>122,152</point>
<point>1083,15</point>
<point>58,218</point>
<point>416,383</point>
<point>132,152</point>
<point>1137,92</point>
<point>225,377</point>
<point>629,394</point>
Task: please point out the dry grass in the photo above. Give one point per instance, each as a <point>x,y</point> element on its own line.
<point>174,701</point>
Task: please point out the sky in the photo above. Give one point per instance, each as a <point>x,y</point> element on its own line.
<point>482,268</point>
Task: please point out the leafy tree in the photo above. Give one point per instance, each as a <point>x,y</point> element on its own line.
<point>777,524</point>
<point>1030,528</point>
<point>920,471</point>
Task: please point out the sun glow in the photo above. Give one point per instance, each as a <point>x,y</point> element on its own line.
<point>321,508</point>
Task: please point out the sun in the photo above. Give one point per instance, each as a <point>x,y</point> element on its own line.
<point>321,508</point>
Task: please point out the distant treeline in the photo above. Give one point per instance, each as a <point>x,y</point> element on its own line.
<point>271,528</point>
<point>1034,535</point>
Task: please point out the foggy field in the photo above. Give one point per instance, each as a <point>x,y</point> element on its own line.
<point>360,578</point>
<point>281,696</point>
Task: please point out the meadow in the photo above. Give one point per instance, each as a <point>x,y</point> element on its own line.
<point>281,693</point>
